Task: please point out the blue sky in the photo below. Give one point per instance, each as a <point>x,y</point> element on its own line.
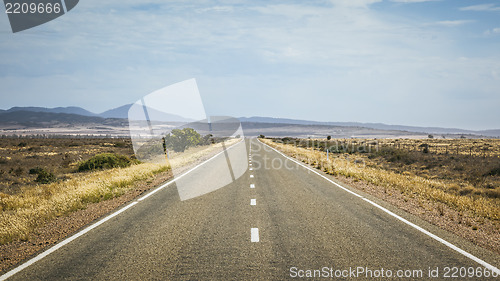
<point>413,62</point>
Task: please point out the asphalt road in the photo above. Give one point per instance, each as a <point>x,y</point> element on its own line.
<point>300,220</point>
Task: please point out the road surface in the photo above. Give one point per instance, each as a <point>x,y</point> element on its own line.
<point>277,221</point>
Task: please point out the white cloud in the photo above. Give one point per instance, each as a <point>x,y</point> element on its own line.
<point>493,31</point>
<point>481,7</point>
<point>220,9</point>
<point>354,3</point>
<point>453,23</point>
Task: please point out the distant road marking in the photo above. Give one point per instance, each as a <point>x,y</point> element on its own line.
<point>254,236</point>
<point>253,202</point>
<point>251,176</point>
<point>252,185</point>
<point>251,169</point>
<point>250,164</point>
<point>89,228</point>
<point>435,237</point>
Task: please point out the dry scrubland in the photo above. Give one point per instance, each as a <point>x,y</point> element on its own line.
<point>462,174</point>
<point>59,156</point>
<point>26,204</point>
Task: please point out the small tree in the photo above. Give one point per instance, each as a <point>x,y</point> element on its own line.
<point>262,136</point>
<point>179,140</point>
<point>430,136</point>
<point>328,137</point>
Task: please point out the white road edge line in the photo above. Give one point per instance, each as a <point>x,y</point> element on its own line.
<point>89,228</point>
<point>253,202</point>
<point>435,237</point>
<point>63,243</point>
<point>179,177</point>
<point>254,235</point>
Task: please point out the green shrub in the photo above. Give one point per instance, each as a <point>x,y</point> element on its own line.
<point>45,177</point>
<point>104,161</point>
<point>35,171</point>
<point>494,172</point>
<point>179,140</point>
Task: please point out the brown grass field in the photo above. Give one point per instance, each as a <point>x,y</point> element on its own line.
<point>57,155</point>
<point>456,180</point>
<point>26,205</point>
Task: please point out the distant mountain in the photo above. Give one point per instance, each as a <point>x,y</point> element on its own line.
<point>119,112</point>
<point>378,126</point>
<point>67,110</point>
<point>122,113</point>
<point>36,118</point>
<point>155,115</point>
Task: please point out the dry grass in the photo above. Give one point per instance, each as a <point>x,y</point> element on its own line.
<point>23,212</point>
<point>437,190</point>
<point>467,147</point>
<point>34,205</point>
<point>59,156</point>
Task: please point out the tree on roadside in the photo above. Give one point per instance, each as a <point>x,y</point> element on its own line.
<point>180,139</point>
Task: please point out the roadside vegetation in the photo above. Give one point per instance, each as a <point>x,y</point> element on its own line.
<point>104,161</point>
<point>43,179</point>
<point>454,172</point>
<point>27,162</point>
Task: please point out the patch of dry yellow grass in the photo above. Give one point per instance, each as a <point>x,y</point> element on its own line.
<point>20,214</point>
<point>411,185</point>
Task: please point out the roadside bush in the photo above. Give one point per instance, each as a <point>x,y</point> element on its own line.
<point>35,171</point>
<point>494,172</point>
<point>179,140</point>
<point>396,155</point>
<point>45,177</point>
<point>104,161</point>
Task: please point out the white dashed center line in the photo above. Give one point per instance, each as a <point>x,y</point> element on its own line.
<point>251,176</point>
<point>253,202</point>
<point>251,169</point>
<point>252,185</point>
<point>254,235</point>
